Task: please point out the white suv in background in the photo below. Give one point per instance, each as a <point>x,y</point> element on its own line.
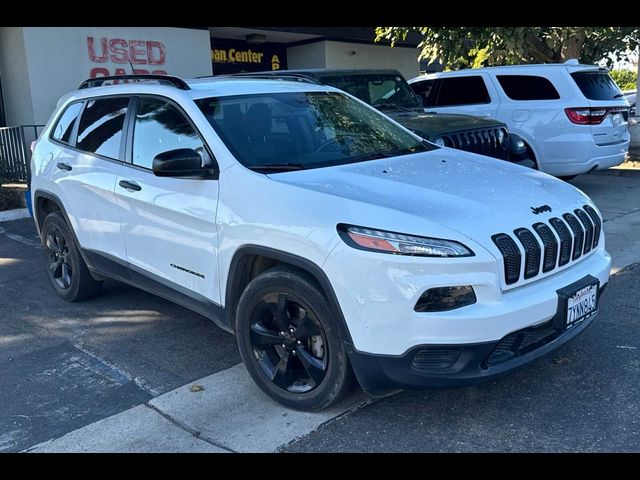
<point>572,117</point>
<point>326,236</point>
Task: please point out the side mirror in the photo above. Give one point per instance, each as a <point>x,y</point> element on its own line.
<point>182,162</point>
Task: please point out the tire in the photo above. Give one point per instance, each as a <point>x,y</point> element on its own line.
<point>312,371</point>
<point>68,273</point>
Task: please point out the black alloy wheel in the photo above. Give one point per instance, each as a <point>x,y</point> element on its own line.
<point>59,258</point>
<point>69,275</point>
<point>289,342</point>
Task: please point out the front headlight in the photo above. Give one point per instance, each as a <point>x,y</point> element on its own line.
<point>400,243</point>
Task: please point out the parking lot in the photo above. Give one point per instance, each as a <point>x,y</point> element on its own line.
<point>127,371</point>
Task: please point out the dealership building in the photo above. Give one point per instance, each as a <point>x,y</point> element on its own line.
<point>40,64</point>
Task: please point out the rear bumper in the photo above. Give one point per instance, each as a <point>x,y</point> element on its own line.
<point>442,366</point>
<point>575,158</point>
<point>596,163</point>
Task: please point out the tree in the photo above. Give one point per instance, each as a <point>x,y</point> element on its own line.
<point>626,79</point>
<point>465,47</point>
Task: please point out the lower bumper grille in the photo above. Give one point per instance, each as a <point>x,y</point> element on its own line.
<point>521,342</point>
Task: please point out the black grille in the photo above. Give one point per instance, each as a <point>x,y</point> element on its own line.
<point>574,240</point>
<point>550,246</point>
<point>511,256</point>
<point>565,240</point>
<point>597,224</point>
<point>532,252</point>
<point>578,234</point>
<point>588,229</point>
<point>521,342</point>
<point>484,141</point>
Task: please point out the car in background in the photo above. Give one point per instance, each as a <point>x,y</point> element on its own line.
<point>631,98</point>
<point>388,91</point>
<point>572,117</point>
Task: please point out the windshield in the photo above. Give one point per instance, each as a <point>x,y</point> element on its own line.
<point>299,130</point>
<point>378,90</point>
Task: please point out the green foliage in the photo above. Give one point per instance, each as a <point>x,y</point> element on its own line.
<point>626,79</point>
<point>464,47</point>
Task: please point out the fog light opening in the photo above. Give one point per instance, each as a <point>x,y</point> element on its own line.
<point>442,299</point>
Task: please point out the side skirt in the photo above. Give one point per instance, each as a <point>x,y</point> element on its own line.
<point>104,265</point>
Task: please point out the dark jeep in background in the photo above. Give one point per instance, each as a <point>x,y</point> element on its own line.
<point>389,92</point>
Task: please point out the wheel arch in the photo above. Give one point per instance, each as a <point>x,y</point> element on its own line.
<point>250,260</point>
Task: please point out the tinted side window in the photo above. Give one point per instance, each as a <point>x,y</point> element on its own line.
<point>597,85</point>
<point>64,127</point>
<point>160,127</point>
<point>101,123</point>
<point>426,90</point>
<point>462,91</point>
<point>527,87</point>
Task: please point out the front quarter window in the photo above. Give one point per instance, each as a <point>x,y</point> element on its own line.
<point>299,130</point>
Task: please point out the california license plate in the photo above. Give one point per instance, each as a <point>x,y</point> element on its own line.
<point>577,302</point>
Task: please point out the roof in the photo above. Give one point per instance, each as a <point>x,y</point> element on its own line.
<point>323,72</point>
<point>202,87</point>
<point>510,68</point>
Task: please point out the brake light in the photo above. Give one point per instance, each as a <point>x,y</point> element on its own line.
<point>587,115</point>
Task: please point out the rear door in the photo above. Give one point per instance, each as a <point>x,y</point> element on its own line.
<point>604,96</point>
<point>86,168</point>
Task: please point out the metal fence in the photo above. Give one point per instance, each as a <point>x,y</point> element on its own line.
<point>15,152</point>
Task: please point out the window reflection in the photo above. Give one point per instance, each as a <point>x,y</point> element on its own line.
<point>100,129</point>
<point>160,127</point>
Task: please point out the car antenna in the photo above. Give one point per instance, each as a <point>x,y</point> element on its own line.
<point>133,72</point>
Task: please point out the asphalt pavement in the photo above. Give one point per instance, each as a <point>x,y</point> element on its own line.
<point>128,371</point>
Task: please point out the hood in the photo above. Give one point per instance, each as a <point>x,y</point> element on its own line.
<point>432,124</point>
<point>474,195</point>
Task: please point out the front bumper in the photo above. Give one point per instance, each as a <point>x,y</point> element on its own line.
<point>442,366</point>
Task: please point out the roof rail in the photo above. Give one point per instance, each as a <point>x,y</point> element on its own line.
<point>293,77</point>
<point>167,79</point>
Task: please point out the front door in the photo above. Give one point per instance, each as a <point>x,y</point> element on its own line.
<point>168,224</point>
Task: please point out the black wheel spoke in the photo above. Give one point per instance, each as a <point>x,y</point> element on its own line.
<point>306,328</point>
<point>261,337</point>
<point>66,275</point>
<point>312,365</point>
<point>55,268</point>
<point>62,242</point>
<point>279,312</point>
<point>282,372</point>
<point>52,244</point>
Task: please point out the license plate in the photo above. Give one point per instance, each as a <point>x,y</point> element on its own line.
<point>616,119</point>
<point>577,302</point>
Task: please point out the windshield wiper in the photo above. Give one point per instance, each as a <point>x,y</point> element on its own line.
<point>389,105</point>
<point>284,167</point>
<point>392,153</point>
<point>618,95</point>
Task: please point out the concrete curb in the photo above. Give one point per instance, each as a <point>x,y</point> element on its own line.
<point>619,172</point>
<point>16,214</point>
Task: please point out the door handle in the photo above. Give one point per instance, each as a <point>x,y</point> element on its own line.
<point>64,166</point>
<point>131,186</point>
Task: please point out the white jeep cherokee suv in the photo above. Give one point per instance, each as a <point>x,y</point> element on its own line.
<point>326,236</point>
<point>572,117</point>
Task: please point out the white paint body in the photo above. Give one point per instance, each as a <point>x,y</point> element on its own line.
<point>561,148</point>
<point>443,193</point>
